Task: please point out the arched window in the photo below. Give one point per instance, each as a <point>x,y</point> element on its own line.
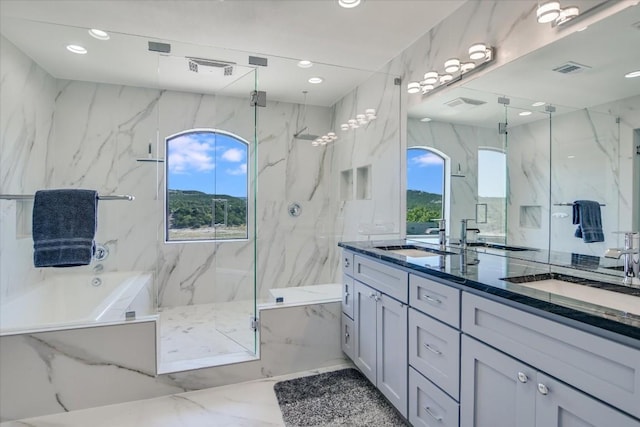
<point>425,190</point>
<point>206,185</point>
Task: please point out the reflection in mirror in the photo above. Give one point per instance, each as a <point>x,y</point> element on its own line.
<point>571,134</point>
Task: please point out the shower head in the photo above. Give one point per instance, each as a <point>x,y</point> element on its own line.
<point>305,136</point>
<point>213,63</point>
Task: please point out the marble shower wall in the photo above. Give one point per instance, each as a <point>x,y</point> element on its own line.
<point>26,123</point>
<point>460,143</point>
<point>600,170</point>
<point>60,133</point>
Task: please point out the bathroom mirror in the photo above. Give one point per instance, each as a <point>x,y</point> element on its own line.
<point>583,147</point>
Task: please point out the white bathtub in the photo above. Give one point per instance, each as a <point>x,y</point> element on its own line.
<point>74,300</point>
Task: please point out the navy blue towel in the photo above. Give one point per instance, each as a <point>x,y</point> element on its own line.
<point>64,227</point>
<point>586,213</point>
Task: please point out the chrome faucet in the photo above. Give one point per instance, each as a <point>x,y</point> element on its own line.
<point>631,262</point>
<point>463,232</point>
<point>442,230</point>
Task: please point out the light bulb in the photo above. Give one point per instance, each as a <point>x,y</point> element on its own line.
<point>478,51</point>
<point>548,12</point>
<point>567,14</point>
<point>467,66</point>
<point>430,77</point>
<point>76,49</point>
<point>446,78</point>
<point>452,65</point>
<point>413,87</point>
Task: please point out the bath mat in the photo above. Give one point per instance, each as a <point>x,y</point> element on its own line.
<point>342,397</point>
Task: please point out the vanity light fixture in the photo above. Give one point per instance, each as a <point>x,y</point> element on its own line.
<point>305,64</point>
<point>632,74</point>
<point>548,11</point>
<point>413,87</point>
<point>452,65</point>
<point>478,51</point>
<point>446,78</point>
<point>430,77</point>
<point>567,14</point>
<point>348,4</point>
<point>99,34</point>
<point>316,80</point>
<point>76,49</point>
<point>467,66</point>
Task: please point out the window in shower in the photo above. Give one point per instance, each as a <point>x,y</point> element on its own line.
<point>425,190</point>
<point>206,194</point>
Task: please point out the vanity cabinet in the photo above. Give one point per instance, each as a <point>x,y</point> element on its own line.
<point>500,391</point>
<point>380,347</point>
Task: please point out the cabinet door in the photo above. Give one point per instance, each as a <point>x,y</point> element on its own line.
<point>392,356</point>
<point>347,336</point>
<point>560,405</point>
<point>364,328</point>
<point>347,295</point>
<point>495,389</point>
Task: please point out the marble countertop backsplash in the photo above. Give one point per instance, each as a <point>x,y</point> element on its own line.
<point>484,269</point>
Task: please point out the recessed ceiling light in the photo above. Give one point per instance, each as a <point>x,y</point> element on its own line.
<point>571,157</point>
<point>348,4</point>
<point>76,49</point>
<point>99,34</point>
<point>538,104</point>
<point>633,74</point>
<point>316,80</point>
<point>305,64</point>
<point>425,119</point>
<point>525,113</point>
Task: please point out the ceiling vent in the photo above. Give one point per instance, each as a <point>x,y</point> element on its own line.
<point>571,67</point>
<point>461,103</point>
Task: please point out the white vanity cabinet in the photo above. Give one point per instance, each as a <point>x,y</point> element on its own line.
<point>500,391</point>
<point>542,373</point>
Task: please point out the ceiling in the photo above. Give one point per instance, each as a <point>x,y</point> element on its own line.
<point>346,45</point>
<point>610,48</point>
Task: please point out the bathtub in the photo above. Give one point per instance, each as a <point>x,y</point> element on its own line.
<point>74,300</point>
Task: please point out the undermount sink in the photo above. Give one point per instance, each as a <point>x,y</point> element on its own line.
<point>498,246</point>
<point>413,251</point>
<point>600,293</point>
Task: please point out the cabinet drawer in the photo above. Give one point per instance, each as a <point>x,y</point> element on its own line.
<point>347,337</point>
<point>347,295</point>
<point>386,279</point>
<point>434,351</point>
<point>435,299</point>
<point>428,405</point>
<point>602,368</point>
<point>347,262</point>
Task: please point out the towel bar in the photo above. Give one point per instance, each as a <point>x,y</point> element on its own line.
<point>569,204</point>
<point>28,197</point>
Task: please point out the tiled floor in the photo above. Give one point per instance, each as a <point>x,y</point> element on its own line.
<point>205,335</point>
<point>251,404</point>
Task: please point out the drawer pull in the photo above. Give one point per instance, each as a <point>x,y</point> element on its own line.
<point>431,299</point>
<point>434,416</point>
<point>433,350</point>
<point>346,297</point>
<point>522,377</point>
<point>543,389</point>
<point>346,334</point>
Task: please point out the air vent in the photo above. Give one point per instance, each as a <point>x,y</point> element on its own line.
<point>464,103</point>
<point>571,67</point>
<point>210,62</point>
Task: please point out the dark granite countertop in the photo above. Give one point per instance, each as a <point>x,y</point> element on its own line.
<point>483,270</point>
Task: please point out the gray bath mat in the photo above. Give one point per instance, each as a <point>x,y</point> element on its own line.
<point>342,397</point>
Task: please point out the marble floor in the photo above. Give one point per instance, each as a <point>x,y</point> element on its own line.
<point>251,404</point>
<point>201,335</point>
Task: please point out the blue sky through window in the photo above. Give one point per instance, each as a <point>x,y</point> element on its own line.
<point>213,163</point>
<point>425,171</point>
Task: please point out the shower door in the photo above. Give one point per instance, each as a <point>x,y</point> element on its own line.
<point>207,242</point>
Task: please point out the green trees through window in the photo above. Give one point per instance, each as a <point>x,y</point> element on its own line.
<point>425,190</point>
<point>206,186</point>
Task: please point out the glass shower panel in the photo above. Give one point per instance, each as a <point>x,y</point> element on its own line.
<point>586,165</point>
<point>206,243</point>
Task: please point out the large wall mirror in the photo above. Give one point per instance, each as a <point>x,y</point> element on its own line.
<point>568,130</point>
